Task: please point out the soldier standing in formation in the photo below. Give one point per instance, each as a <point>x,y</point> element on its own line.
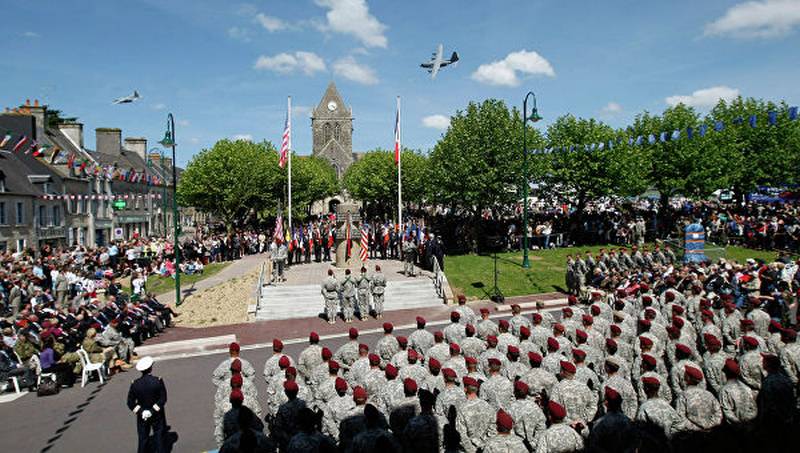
<point>347,288</point>
<point>409,257</point>
<point>378,288</point>
<point>330,292</point>
<point>363,283</point>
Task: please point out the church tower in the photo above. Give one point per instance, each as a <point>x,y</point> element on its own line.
<point>332,130</point>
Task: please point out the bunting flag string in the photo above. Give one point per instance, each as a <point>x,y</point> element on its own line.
<point>126,196</point>
<point>666,136</point>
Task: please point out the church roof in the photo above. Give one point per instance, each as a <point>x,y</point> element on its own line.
<point>331,94</point>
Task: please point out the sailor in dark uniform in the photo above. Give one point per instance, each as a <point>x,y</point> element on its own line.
<point>146,398</point>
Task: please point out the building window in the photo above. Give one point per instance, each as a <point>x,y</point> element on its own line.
<point>20,213</point>
<point>42,215</point>
<point>3,246</point>
<point>46,187</point>
<point>83,208</point>
<point>81,236</point>
<point>95,209</point>
<point>20,245</point>
<point>326,132</point>
<point>57,215</point>
<point>3,213</point>
<point>2,182</point>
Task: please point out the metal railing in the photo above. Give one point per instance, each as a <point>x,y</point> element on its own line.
<point>439,279</point>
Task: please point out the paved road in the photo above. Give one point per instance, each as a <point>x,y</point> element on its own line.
<point>96,417</point>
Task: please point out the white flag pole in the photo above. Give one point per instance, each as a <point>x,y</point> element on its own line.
<point>399,170</point>
<point>289,152</point>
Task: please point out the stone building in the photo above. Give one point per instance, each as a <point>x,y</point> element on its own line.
<point>332,130</point>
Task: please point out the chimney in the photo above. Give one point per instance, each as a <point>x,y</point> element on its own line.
<point>109,140</point>
<point>74,131</point>
<point>137,145</point>
<point>38,112</point>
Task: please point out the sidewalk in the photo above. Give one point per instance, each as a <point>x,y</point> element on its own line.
<point>235,269</point>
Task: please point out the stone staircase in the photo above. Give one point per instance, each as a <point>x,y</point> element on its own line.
<point>305,301</point>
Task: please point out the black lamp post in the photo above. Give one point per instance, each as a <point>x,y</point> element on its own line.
<point>169,142</point>
<point>525,118</point>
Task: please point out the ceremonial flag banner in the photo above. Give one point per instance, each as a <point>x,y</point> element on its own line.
<point>347,239</point>
<point>54,156</point>
<point>22,141</point>
<point>364,245</point>
<point>6,139</point>
<point>285,141</point>
<point>278,228</point>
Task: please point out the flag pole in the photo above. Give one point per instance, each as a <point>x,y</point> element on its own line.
<point>399,170</point>
<point>289,152</point>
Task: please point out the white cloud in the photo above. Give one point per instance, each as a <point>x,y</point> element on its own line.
<point>285,63</point>
<point>271,23</point>
<point>352,17</point>
<point>612,107</point>
<point>301,110</point>
<point>194,140</point>
<point>246,137</point>
<point>505,72</point>
<point>31,34</point>
<point>350,69</point>
<point>707,97</point>
<point>440,122</point>
<point>184,123</point>
<point>757,19</point>
<point>159,106</point>
<point>239,34</point>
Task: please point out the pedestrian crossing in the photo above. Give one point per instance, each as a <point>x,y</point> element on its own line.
<point>305,301</point>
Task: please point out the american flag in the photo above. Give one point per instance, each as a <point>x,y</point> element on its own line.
<point>279,228</point>
<point>286,142</point>
<point>364,246</point>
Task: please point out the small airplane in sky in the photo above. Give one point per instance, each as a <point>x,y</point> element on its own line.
<point>438,62</point>
<point>128,99</point>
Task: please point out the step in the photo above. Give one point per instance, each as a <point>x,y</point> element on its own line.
<point>185,346</point>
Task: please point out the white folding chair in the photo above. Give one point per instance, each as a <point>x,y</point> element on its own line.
<point>89,367</point>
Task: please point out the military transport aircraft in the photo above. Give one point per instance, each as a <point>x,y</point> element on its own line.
<point>438,62</point>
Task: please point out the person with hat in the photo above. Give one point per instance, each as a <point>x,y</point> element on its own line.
<point>529,420</point>
<point>277,391</point>
<point>552,360</point>
<point>486,326</point>
<point>565,346</point>
<point>337,408</point>
<point>790,354</point>
<point>310,357</point>
<point>621,387</point>
<point>320,373</point>
<point>330,293</point>
<point>347,288</point>
<point>490,352</point>
<point>348,352</point>
<point>568,322</point>
<point>713,362</point>
<point>391,391</point>
<point>147,398</point>
<point>471,345</point>
<point>505,338</point>
<point>738,401</point>
<point>309,438</point>
<point>697,405</point>
<point>614,431</point>
<point>517,320</point>
<point>584,372</point>
<point>456,361</point>
<point>506,438</point>
<point>539,332</point>
<point>683,358</point>
<point>473,369</point>
<point>387,346</point>
<point>468,315</point>
<point>374,378</point>
<point>355,375</point>
<point>514,368</point>
<point>578,400</point>
<point>409,249</point>
<point>454,332</point>
<point>440,349</point>
<point>474,419</point>
<point>400,358</point>
<point>422,432</point>
<point>222,374</point>
<point>354,422</point>
<point>421,340</point>
<point>452,395</point>
<point>378,288</point>
<point>497,390</point>
<point>326,391</point>
<point>227,413</point>
<point>285,424</point>
<point>750,362</point>
<point>560,436</point>
<point>656,410</point>
<point>271,367</point>
<point>363,285</point>
<point>414,370</point>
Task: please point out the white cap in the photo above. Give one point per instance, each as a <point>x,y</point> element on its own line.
<point>144,364</point>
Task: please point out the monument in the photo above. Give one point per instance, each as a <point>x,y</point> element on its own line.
<point>694,244</point>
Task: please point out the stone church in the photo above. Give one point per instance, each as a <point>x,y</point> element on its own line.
<point>332,131</point>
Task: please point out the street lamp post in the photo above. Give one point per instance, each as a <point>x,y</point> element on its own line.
<point>525,118</point>
<point>169,142</point>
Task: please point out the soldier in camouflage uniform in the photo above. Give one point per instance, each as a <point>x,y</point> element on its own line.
<point>474,420</point>
<point>539,380</point>
<point>517,319</point>
<point>497,391</point>
<point>656,410</point>
<point>454,332</point>
<point>330,291</point>
<point>472,346</point>
<point>337,409</point>
<point>364,284</point>
<point>529,420</point>
<point>348,352</point>
<point>348,289</point>
<point>310,358</point>
<point>387,346</point>
<point>222,373</point>
<point>440,350</point>
<point>559,436</point>
<point>697,405</point>
<point>285,424</point>
<point>452,395</point>
<point>423,433</point>
<point>506,439</point>
<point>421,340</point>
<point>467,314</point>
<point>391,391</point>
<point>486,326</point>
<point>579,402</point>
<point>409,256</point>
<point>737,400</point>
<point>271,368</point>
<point>378,288</point>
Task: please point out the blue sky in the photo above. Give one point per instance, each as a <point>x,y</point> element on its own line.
<point>224,68</point>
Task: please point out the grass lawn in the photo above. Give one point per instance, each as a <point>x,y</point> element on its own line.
<point>473,275</point>
<point>158,285</point>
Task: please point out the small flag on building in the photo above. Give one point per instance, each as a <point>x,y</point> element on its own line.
<point>5,139</point>
<point>22,141</point>
<point>56,153</point>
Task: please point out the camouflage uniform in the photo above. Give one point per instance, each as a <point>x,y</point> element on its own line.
<point>358,371</point>
<point>518,321</point>
<point>373,381</point>
<point>386,348</point>
<point>423,433</point>
<point>503,443</point>
<point>284,424</point>
<point>421,341</point>
<point>409,253</point>
<point>514,369</point>
<point>504,340</point>
<point>559,438</point>
<point>468,315</point>
<point>330,291</point>
<point>485,328</point>
<point>451,396</point>
<point>790,359</point>
<point>539,381</point>
<point>750,364</point>
<point>378,287</point>
<point>660,413</point>
<point>347,354</point>
<point>491,353</point>
<point>363,284</point>
<point>475,424</point>
<point>623,386</point>
<point>414,371</point>
<point>712,370</point>
<point>222,374</point>
<point>664,391</point>
<point>433,383</point>
<point>579,402</point>
<point>271,368</point>
<point>457,364</point>
<point>393,390</point>
<point>738,402</point>
<point>440,352</point>
<point>497,391</point>
<point>473,347</point>
<point>223,407</point>
<point>699,407</point>
<point>308,360</point>
<point>335,412</point>
<point>529,420</point>
<point>454,333</point>
<point>348,289</point>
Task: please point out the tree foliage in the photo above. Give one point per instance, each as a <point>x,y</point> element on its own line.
<point>232,180</point>
<point>312,179</point>
<point>373,178</point>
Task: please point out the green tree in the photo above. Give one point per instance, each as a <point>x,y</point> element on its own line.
<point>312,179</point>
<point>477,164</point>
<point>54,118</point>
<point>373,179</point>
<point>233,180</point>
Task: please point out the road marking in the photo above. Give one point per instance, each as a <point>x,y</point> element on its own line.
<point>12,396</point>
